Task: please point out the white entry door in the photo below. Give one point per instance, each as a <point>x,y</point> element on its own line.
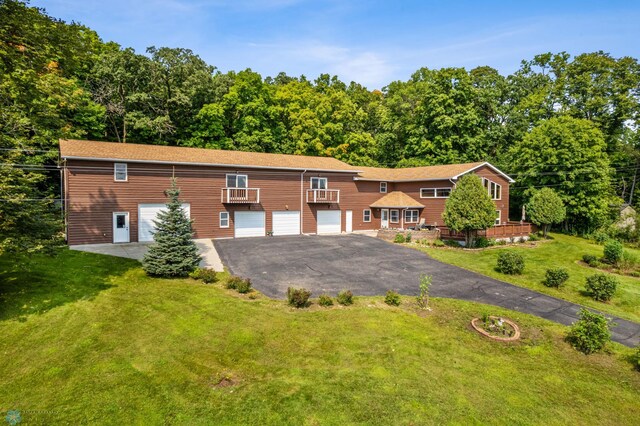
<point>121,227</point>
<point>249,224</point>
<point>384,218</point>
<point>286,223</point>
<point>329,222</point>
<point>348,218</point>
<point>147,214</point>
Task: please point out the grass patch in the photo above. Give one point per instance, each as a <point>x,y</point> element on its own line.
<point>122,348</point>
<point>563,251</point>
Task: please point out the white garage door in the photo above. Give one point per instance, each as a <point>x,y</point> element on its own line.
<point>249,224</point>
<point>286,223</point>
<point>329,222</point>
<point>147,213</point>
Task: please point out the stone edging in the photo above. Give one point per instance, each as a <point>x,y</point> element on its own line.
<point>516,329</point>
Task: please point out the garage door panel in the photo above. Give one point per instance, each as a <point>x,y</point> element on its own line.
<point>249,224</point>
<point>329,222</point>
<point>147,213</point>
<point>286,223</point>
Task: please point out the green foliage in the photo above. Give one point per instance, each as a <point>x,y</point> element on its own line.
<point>589,334</point>
<point>510,262</point>
<point>299,297</point>
<point>399,238</point>
<point>174,254</point>
<point>546,208</point>
<point>207,275</point>
<point>534,237</point>
<point>345,297</point>
<point>392,298</point>
<point>438,243</point>
<point>613,251</point>
<point>635,359</point>
<point>469,208</point>
<point>600,236</point>
<point>233,282</point>
<point>555,277</point>
<point>601,287</point>
<point>423,297</point>
<point>407,237</point>
<point>325,300</point>
<point>590,260</point>
<point>243,286</point>
<point>482,242</point>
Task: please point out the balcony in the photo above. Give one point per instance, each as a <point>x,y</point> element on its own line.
<point>240,195</point>
<point>323,195</point>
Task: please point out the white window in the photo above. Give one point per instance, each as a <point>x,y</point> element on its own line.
<point>366,215</point>
<point>394,216</point>
<point>120,172</point>
<point>498,219</point>
<point>318,183</point>
<point>411,216</point>
<point>224,219</point>
<point>383,187</point>
<point>435,192</point>
<point>237,181</point>
<point>493,189</point>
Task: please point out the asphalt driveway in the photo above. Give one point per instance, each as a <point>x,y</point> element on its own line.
<point>369,267</point>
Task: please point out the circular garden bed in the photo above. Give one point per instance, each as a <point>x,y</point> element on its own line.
<point>496,328</point>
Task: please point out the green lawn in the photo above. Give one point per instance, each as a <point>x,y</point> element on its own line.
<point>91,339</point>
<point>563,251</point>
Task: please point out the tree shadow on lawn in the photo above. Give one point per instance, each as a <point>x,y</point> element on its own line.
<point>37,283</point>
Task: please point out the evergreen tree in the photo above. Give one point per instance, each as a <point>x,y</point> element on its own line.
<point>469,208</point>
<point>174,253</point>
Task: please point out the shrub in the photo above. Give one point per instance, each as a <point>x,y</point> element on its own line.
<point>600,236</point>
<point>628,261</point>
<point>510,263</point>
<point>589,334</point>
<point>601,287</point>
<point>392,298</point>
<point>407,237</point>
<point>345,297</point>
<point>452,243</point>
<point>325,300</point>
<point>589,259</point>
<point>613,251</point>
<point>232,282</point>
<point>438,243</point>
<point>533,237</point>
<point>243,286</point>
<point>207,275</point>
<point>298,297</point>
<point>399,238</point>
<point>481,242</point>
<point>635,359</point>
<point>555,277</point>
<point>502,242</point>
<point>423,297</point>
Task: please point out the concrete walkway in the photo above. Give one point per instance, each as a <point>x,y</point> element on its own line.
<point>370,267</point>
<point>210,258</point>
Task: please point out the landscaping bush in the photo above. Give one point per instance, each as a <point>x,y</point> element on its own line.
<point>298,297</point>
<point>628,261</point>
<point>452,243</point>
<point>589,259</point>
<point>207,275</point>
<point>325,300</point>
<point>407,238</point>
<point>635,359</point>
<point>392,298</point>
<point>232,282</point>
<point>438,243</point>
<point>590,334</point>
<point>510,262</point>
<point>243,286</point>
<point>345,297</point>
<point>601,287</point>
<point>613,251</point>
<point>482,242</point>
<point>423,297</point>
<point>600,236</point>
<point>502,242</point>
<point>555,277</point>
<point>399,238</point>
<point>534,237</point>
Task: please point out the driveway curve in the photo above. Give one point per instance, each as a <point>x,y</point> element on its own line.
<point>369,267</point>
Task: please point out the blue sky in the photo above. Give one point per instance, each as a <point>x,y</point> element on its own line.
<point>371,42</point>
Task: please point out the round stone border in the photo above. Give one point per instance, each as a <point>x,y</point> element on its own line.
<point>516,334</point>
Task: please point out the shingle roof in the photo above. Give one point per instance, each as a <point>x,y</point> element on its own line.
<point>396,199</point>
<point>171,154</point>
<point>416,173</point>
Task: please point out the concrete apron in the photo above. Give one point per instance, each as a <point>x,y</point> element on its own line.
<point>210,258</point>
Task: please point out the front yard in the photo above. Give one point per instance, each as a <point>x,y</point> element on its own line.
<point>563,251</point>
<point>91,339</point>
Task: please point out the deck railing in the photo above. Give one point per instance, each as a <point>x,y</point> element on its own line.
<point>240,195</point>
<point>505,230</point>
<point>323,195</point>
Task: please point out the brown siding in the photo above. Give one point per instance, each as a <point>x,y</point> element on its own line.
<point>93,196</point>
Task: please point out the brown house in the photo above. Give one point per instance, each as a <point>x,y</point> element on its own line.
<point>113,192</point>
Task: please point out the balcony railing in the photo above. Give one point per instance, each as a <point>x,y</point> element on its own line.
<point>323,195</point>
<point>240,195</point>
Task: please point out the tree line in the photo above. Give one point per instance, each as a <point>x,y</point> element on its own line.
<point>559,121</point>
